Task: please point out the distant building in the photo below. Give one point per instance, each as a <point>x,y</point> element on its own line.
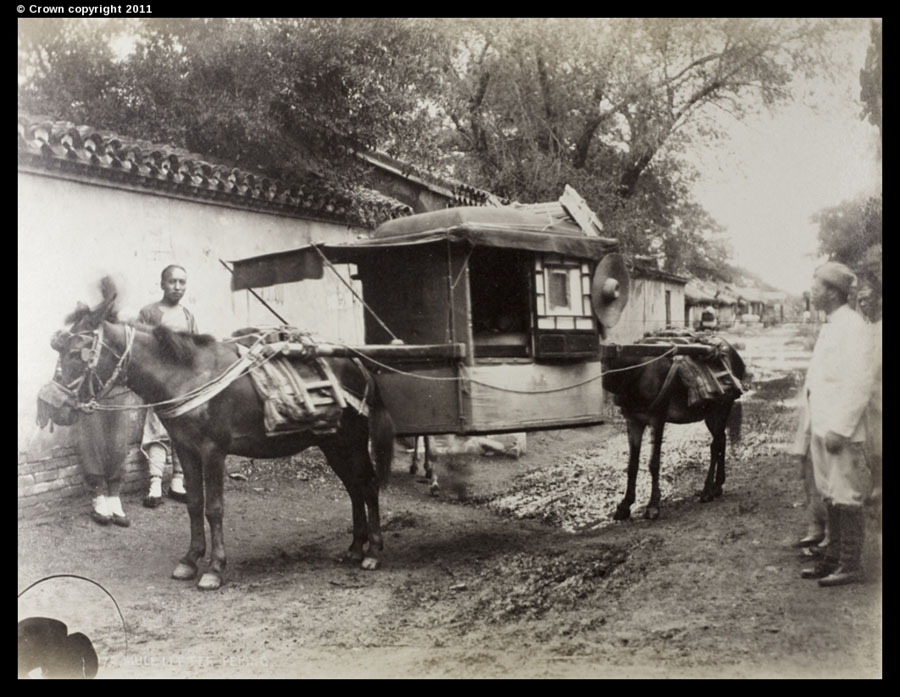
<point>656,301</point>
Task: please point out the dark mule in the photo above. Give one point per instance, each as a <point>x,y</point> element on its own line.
<point>161,365</point>
<point>647,398</point>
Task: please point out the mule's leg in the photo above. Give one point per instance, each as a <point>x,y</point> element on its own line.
<point>365,470</point>
<point>433,486</point>
<point>722,440</point>
<point>414,465</point>
<point>340,459</point>
<point>193,482</point>
<point>652,510</point>
<point>715,477</point>
<point>214,479</point>
<point>362,473</point>
<point>635,434</point>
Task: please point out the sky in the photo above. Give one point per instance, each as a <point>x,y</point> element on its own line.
<point>774,171</point>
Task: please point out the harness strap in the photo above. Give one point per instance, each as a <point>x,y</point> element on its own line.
<point>110,383</point>
<point>667,385</point>
<point>90,372</point>
<point>211,389</point>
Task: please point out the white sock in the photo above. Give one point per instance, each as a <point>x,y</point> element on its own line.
<point>115,506</point>
<point>100,505</point>
<point>177,484</point>
<point>155,487</point>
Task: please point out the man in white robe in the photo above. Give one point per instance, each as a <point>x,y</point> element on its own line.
<point>837,390</point>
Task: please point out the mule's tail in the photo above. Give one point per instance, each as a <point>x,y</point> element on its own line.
<point>735,422</point>
<point>381,434</point>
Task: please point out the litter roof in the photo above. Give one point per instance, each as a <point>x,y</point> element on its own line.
<point>504,227</point>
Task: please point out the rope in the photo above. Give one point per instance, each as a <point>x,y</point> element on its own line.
<point>463,269</point>
<point>176,401</point>
<point>507,389</point>
<point>356,295</point>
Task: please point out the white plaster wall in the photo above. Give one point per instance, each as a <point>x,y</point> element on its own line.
<point>646,310</point>
<point>72,233</point>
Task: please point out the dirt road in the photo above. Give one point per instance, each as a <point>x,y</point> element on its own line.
<point>516,570</point>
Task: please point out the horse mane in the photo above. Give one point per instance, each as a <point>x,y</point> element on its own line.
<point>180,347</point>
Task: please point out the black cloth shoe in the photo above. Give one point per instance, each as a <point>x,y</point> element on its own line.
<point>816,552</point>
<point>842,576</point>
<point>831,560</point>
<point>821,569</point>
<point>121,520</point>
<point>177,496</point>
<point>152,501</point>
<point>100,518</point>
<point>810,540</point>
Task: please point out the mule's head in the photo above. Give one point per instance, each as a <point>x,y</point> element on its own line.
<point>82,360</point>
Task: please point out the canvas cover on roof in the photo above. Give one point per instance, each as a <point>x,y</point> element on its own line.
<point>474,225</point>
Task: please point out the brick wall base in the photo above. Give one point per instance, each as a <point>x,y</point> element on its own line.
<point>55,480</point>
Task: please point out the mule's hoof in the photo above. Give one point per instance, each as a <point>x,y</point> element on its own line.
<point>717,492</point>
<point>210,582</point>
<point>370,563</point>
<point>651,513</point>
<point>348,556</point>
<point>622,513</point>
<point>184,572</point>
<point>706,497</point>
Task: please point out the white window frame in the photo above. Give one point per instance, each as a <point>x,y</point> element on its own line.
<point>577,314</point>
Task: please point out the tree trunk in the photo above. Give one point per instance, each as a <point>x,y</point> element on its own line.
<point>583,146</point>
<point>629,179</point>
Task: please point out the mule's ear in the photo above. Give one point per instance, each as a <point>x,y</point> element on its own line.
<point>108,289</point>
<point>107,307</point>
<point>80,311</point>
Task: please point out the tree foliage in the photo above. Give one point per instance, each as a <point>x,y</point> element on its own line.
<point>870,78</point>
<point>847,231</point>
<point>611,106</point>
<point>277,94</point>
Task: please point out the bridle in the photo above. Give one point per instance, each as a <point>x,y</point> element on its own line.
<point>90,381</point>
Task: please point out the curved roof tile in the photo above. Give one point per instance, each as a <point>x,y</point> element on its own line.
<point>85,151</point>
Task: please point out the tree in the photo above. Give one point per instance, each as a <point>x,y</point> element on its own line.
<point>609,106</point>
<point>870,79</point>
<point>280,95</point>
<point>847,231</point>
<point>851,232</point>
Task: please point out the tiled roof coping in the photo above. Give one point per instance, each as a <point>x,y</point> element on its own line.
<point>82,152</point>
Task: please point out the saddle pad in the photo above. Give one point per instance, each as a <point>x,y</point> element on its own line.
<point>295,398</point>
<point>707,379</point>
